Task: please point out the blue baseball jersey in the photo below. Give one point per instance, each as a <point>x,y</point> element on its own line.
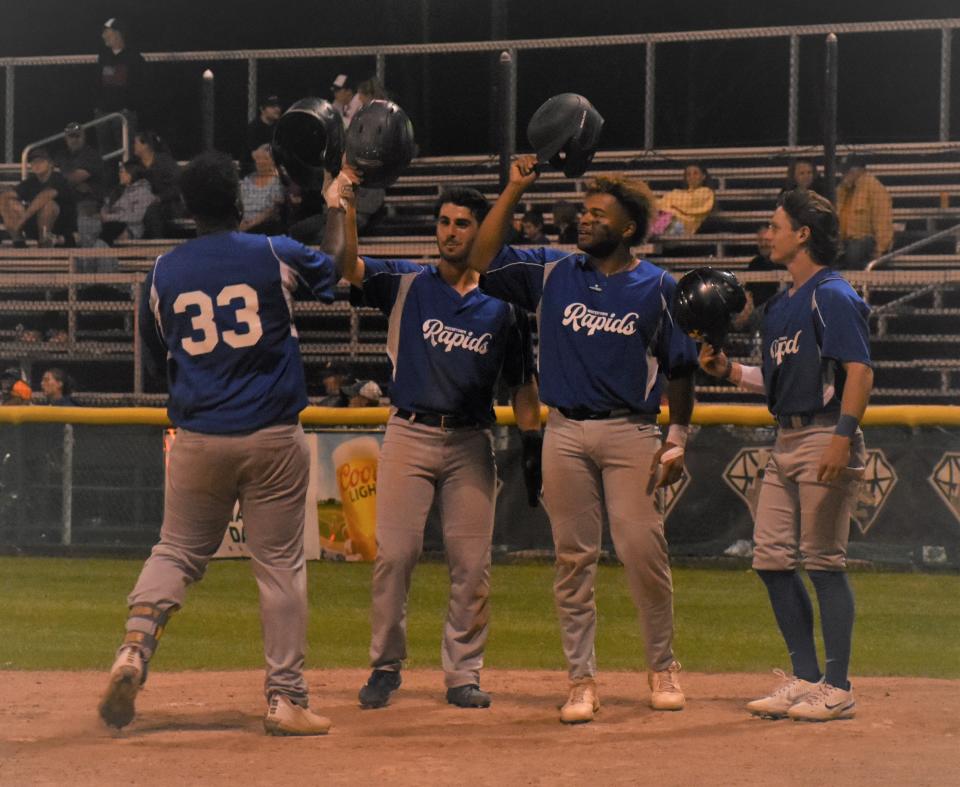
<point>219,311</point>
<point>447,350</point>
<point>604,340</point>
<point>806,339</point>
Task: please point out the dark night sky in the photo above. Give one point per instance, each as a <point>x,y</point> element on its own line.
<point>717,93</point>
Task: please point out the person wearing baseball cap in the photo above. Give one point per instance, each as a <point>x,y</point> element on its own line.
<point>41,207</point>
<point>260,130</point>
<point>82,167</point>
<point>120,84</point>
<point>865,210</point>
<point>363,393</point>
<point>345,97</point>
<point>13,388</point>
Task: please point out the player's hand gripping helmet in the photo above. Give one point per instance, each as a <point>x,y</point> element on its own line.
<point>704,303</point>
<point>380,143</point>
<point>308,140</point>
<point>566,124</point>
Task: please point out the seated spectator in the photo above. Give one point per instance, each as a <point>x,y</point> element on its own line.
<point>345,99</point>
<point>260,131</point>
<point>14,389</point>
<point>363,393</point>
<point>688,206</point>
<point>57,387</point>
<point>802,174</point>
<point>531,225</point>
<point>122,215</point>
<point>263,195</point>
<point>865,210</point>
<point>334,377</point>
<point>82,167</point>
<point>41,206</point>
<point>758,293</point>
<point>565,219</point>
<point>163,174</point>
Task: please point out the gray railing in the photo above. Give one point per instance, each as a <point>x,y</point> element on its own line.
<point>909,249</point>
<point>122,152</point>
<point>647,40</point>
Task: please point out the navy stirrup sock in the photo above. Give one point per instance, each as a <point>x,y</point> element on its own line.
<point>836,618</point>
<point>794,614</point>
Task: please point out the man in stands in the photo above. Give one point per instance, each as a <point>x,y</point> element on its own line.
<point>260,131</point>
<point>345,98</point>
<point>82,167</point>
<point>121,84</point>
<point>41,207</point>
<point>866,215</point>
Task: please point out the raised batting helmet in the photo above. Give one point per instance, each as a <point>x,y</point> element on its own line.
<point>308,140</point>
<point>566,124</point>
<point>704,303</point>
<point>380,143</point>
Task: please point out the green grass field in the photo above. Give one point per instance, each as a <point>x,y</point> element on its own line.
<point>68,614</point>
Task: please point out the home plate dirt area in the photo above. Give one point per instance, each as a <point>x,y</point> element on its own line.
<point>205,728</point>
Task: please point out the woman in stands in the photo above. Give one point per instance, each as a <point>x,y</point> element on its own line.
<point>163,174</point>
<point>263,195</point>
<point>802,174</point>
<point>122,214</point>
<point>688,206</point>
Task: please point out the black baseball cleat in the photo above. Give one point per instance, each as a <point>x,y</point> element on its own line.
<point>381,684</point>
<point>468,696</point>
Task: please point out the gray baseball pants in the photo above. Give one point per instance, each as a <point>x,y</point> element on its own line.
<point>800,519</point>
<point>418,462</point>
<point>589,466</point>
<point>268,472</point>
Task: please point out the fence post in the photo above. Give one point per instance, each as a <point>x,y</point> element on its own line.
<point>946,39</point>
<point>381,69</point>
<point>137,350</point>
<point>67,484</point>
<point>794,91</point>
<point>508,113</point>
<point>206,111</point>
<point>252,102</point>
<point>649,96</point>
<point>830,119</point>
<point>8,117</point>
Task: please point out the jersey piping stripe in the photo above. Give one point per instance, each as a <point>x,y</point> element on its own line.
<point>547,270</point>
<point>289,277</point>
<point>396,315</point>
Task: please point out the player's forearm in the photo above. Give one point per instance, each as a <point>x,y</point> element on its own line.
<point>750,378</point>
<point>680,397</point>
<point>493,231</point>
<point>340,242</point>
<point>526,406</point>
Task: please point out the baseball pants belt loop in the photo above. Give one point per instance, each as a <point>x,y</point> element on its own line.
<point>583,414</point>
<point>807,419</point>
<point>442,420</point>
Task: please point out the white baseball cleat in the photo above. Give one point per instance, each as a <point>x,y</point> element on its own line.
<point>287,718</point>
<point>665,691</point>
<point>126,677</point>
<point>582,703</point>
<point>825,704</point>
<point>776,704</point>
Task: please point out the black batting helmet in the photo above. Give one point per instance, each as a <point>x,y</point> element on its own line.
<point>704,303</point>
<point>567,124</point>
<point>380,143</point>
<point>308,140</point>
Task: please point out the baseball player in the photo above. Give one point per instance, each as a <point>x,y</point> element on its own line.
<point>448,342</point>
<point>606,334</point>
<point>217,311</point>
<point>817,378</point>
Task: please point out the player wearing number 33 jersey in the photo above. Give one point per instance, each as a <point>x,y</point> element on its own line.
<point>218,313</point>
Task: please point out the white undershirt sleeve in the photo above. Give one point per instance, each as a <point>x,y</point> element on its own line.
<point>751,379</point>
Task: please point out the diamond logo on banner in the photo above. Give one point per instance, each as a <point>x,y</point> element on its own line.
<point>879,478</point>
<point>745,472</point>
<point>667,497</point>
<point>945,478</point>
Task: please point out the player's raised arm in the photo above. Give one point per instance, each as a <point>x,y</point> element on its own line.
<point>493,230</point>
<point>715,362</point>
<point>340,233</point>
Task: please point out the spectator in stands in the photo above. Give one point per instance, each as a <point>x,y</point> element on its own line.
<point>41,206</point>
<point>260,131</point>
<point>58,388</point>
<point>163,174</point>
<point>866,215</point>
<point>121,84</point>
<point>758,293</point>
<point>690,205</point>
<point>370,90</point>
<point>14,389</point>
<point>345,98</point>
<point>363,393</point>
<point>82,167</point>
<point>565,218</point>
<point>802,173</point>
<point>334,378</point>
<point>263,195</point>
<point>531,225</point>
<point>122,215</point>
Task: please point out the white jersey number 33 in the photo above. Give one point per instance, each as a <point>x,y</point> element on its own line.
<point>204,322</point>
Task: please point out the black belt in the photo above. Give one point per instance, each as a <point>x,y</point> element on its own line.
<point>440,419</point>
<point>582,414</point>
<point>807,419</point>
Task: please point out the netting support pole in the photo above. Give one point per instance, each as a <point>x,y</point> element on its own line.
<point>793,99</point>
<point>67,484</point>
<point>508,112</point>
<point>252,104</point>
<point>830,119</point>
<point>649,96</point>
<point>137,349</point>
<point>206,111</point>
<point>381,69</point>
<point>946,39</point>
<point>8,117</point>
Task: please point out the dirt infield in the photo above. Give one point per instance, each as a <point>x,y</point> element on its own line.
<point>205,728</point>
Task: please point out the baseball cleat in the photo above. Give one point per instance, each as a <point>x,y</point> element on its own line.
<point>468,696</point>
<point>665,691</point>
<point>582,703</point>
<point>285,717</point>
<point>826,703</point>
<point>381,684</point>
<point>126,676</point>
<point>790,691</point>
